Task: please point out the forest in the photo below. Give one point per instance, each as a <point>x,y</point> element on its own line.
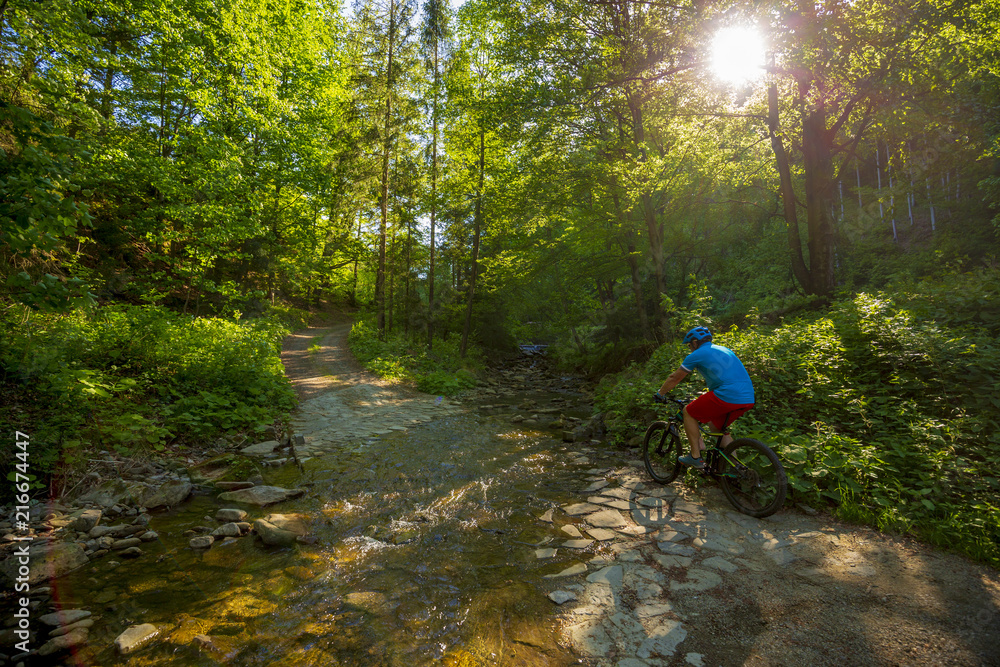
<point>183,183</point>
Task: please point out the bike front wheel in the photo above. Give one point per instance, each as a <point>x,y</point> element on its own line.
<point>752,477</point>
<point>660,450</point>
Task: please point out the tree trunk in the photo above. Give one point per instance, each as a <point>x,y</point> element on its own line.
<point>787,192</point>
<point>384,194</point>
<point>818,167</point>
<point>477,228</point>
<point>434,162</point>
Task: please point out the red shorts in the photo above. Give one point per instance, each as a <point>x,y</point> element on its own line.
<point>707,408</point>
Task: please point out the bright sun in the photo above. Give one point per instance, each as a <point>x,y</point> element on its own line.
<point>738,55</point>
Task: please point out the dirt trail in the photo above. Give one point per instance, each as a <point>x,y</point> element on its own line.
<point>790,590</point>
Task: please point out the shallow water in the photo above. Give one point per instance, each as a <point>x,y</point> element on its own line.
<point>424,554</point>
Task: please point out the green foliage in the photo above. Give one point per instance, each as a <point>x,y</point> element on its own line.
<point>138,379</point>
<point>399,359</point>
<point>884,406</point>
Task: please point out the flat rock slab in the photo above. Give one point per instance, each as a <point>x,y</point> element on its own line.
<point>685,507</point>
<point>261,495</point>
<point>610,575</point>
<point>577,544</point>
<point>580,508</point>
<point>720,544</point>
<point>668,561</point>
<point>616,503</point>
<point>64,617</point>
<point>608,518</point>
<point>596,486</point>
<point>650,517</point>
<point>619,492</point>
<point>561,597</point>
<point>570,571</point>
<point>260,449</point>
<point>652,502</point>
<point>675,549</point>
<point>545,553</point>
<point>720,563</point>
<point>64,642</point>
<point>602,534</point>
<point>571,530</point>
<point>697,580</point>
<point>547,516</point>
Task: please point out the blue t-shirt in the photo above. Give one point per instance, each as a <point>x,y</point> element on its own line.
<point>723,372</point>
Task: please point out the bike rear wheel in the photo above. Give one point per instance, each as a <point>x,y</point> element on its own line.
<point>660,450</point>
<point>755,483</point>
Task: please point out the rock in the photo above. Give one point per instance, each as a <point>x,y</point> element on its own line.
<point>261,495</point>
<point>64,642</point>
<point>547,516</point>
<point>698,580</point>
<point>571,530</point>
<point>170,494</point>
<point>260,449</point>
<point>230,515</point>
<point>227,530</point>
<point>561,597</point>
<point>273,535</point>
<point>675,549</point>
<point>85,623</point>
<point>64,617</point>
<point>577,544</point>
<point>611,575</point>
<point>596,486</point>
<point>656,609</point>
<point>602,534</point>
<point>201,542</point>
<point>233,486</point>
<point>47,561</point>
<point>133,638</point>
<point>580,508</point>
<point>148,536</point>
<point>607,518</point>
<point>578,568</point>
<point>720,563</point>
<point>126,543</point>
<point>85,520</point>
<point>545,553</point>
<point>132,552</point>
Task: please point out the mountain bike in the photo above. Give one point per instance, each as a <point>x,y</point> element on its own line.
<point>748,470</point>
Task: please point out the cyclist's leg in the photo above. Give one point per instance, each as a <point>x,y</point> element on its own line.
<point>693,434</point>
<point>720,425</point>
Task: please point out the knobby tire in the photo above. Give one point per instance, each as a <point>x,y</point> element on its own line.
<point>660,450</point>
<point>757,485</point>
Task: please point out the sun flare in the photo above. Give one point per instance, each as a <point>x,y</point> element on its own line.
<point>738,55</point>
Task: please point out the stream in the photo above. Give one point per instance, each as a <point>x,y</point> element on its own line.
<point>424,553</point>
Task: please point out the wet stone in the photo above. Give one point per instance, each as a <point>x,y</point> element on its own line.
<point>602,534</point>
<point>608,518</point>
<point>577,544</point>
<point>545,553</point>
<point>571,530</point>
<point>652,502</point>
<point>580,508</point>
<point>596,486</point>
<point>561,597</point>
<point>578,568</point>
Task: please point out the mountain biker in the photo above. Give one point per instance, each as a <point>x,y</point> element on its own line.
<point>730,391</point>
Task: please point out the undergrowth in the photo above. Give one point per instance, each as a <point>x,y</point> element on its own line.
<point>135,380</point>
<point>402,359</point>
<point>885,407</point>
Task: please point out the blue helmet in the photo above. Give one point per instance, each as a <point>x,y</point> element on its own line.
<point>699,334</point>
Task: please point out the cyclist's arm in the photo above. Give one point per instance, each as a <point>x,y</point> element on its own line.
<point>673,380</point>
